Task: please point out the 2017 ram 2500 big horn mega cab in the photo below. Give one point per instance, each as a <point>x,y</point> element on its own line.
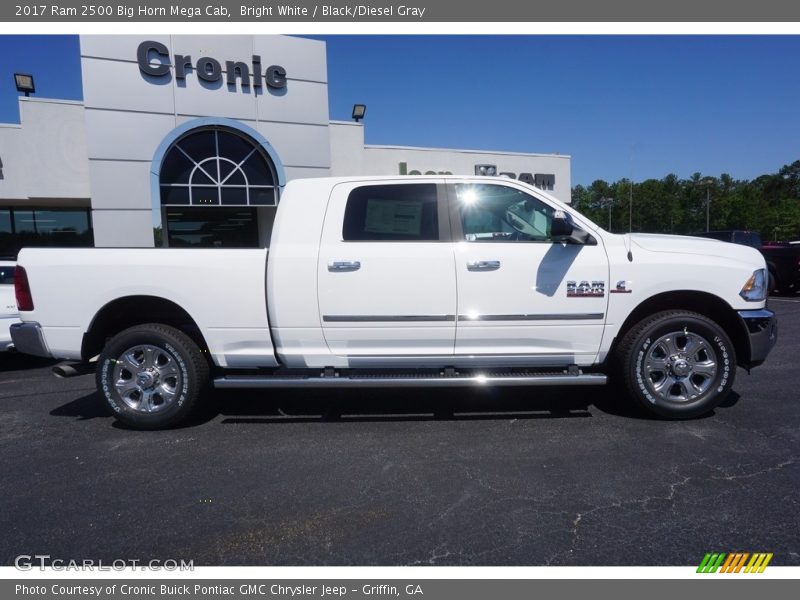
<point>404,281</point>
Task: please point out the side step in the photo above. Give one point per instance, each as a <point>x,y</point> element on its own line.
<point>411,381</point>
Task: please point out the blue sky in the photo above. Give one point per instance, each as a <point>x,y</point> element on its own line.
<point>621,106</point>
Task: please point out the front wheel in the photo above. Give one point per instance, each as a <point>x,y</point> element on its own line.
<point>152,376</point>
<point>677,364</point>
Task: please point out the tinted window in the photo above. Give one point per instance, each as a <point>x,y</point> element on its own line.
<point>747,238</point>
<point>8,245</point>
<point>209,167</point>
<point>496,213</point>
<point>62,228</point>
<point>392,213</point>
<point>212,227</point>
<point>722,236</point>
<point>7,275</point>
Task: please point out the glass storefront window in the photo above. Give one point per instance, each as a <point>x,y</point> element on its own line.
<point>218,227</point>
<point>60,228</point>
<point>7,246</point>
<point>209,167</point>
<point>43,227</point>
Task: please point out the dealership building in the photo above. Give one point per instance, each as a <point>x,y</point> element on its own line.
<point>188,141</point>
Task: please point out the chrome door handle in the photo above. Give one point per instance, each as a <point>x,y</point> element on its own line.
<point>344,266</point>
<point>483,265</point>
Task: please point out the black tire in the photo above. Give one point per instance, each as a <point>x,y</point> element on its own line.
<point>772,282</point>
<point>698,387</point>
<point>172,386</point>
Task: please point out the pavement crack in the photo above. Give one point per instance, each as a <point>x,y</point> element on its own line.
<point>673,490</point>
<point>781,465</point>
<point>758,432</point>
<point>436,554</point>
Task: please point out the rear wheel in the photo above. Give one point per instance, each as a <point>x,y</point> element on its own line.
<point>677,364</point>
<point>152,376</point>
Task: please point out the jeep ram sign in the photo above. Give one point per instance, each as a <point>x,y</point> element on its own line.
<point>153,59</point>
<point>543,181</point>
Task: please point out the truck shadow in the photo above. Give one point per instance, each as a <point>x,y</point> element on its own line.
<point>14,361</point>
<point>417,405</point>
<point>86,407</point>
<point>250,406</point>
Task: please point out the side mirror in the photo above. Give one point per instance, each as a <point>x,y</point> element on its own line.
<point>561,226</point>
<point>562,229</point>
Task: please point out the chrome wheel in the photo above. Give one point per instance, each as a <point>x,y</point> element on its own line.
<point>147,378</point>
<point>679,366</point>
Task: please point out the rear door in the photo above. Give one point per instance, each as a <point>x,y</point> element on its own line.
<point>386,274</point>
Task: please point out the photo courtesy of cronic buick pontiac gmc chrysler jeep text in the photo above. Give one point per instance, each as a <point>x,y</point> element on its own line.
<point>405,281</point>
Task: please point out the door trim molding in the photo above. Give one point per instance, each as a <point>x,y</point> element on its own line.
<point>539,317</point>
<point>386,318</point>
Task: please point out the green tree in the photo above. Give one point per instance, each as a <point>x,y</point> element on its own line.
<point>769,204</point>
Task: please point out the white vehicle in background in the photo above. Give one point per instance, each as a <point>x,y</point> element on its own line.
<point>403,282</point>
<point>8,305</point>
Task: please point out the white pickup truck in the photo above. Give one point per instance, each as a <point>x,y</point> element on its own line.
<point>403,282</point>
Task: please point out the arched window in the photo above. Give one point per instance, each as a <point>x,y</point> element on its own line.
<point>217,166</point>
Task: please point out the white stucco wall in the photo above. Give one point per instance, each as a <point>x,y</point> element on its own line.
<point>44,157</point>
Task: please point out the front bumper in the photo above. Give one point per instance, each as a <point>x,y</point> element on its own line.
<point>762,328</point>
<point>28,339</point>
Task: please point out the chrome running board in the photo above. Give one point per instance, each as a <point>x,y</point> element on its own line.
<point>407,380</point>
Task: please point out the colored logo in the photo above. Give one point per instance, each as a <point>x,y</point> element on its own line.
<point>585,289</point>
<point>735,562</point>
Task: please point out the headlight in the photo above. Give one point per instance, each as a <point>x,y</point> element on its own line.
<point>755,290</point>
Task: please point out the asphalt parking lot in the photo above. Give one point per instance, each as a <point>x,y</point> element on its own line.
<point>490,477</point>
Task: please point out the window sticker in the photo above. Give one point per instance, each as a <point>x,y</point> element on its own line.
<point>399,217</point>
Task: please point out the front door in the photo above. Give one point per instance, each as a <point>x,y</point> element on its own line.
<point>521,295</point>
<point>386,274</point>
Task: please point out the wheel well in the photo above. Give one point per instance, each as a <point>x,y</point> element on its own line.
<point>123,313</point>
<point>708,305</point>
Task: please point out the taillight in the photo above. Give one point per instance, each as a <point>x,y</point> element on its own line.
<point>22,289</point>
